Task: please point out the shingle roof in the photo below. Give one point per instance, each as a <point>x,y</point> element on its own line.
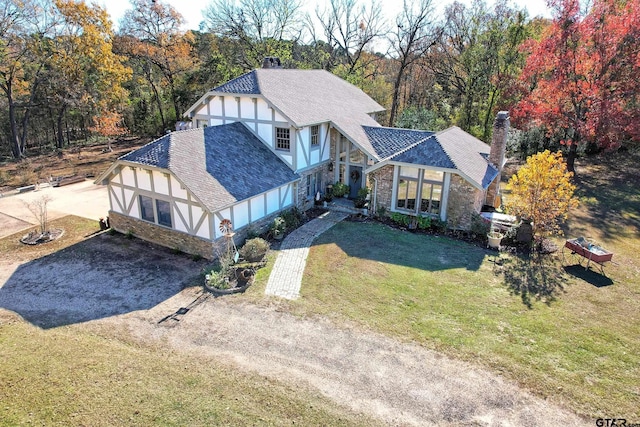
<point>469,155</point>
<point>246,84</point>
<point>155,153</point>
<point>309,97</point>
<point>390,141</point>
<point>452,149</point>
<point>221,165</point>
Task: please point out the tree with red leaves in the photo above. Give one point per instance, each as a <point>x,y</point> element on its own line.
<point>583,76</point>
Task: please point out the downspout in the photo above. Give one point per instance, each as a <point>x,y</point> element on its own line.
<point>375,194</point>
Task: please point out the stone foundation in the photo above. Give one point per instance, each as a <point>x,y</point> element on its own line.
<point>161,235</point>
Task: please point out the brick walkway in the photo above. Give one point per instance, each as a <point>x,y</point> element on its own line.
<point>286,276</point>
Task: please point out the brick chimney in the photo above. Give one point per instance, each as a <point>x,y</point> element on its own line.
<point>496,155</point>
<point>271,62</point>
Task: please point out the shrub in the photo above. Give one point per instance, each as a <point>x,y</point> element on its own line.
<point>438,225</point>
<point>252,232</point>
<point>340,189</point>
<point>292,218</point>
<point>218,280</point>
<point>479,227</point>
<point>254,250</point>
<point>278,226</point>
<point>401,219</point>
<point>219,276</point>
<point>361,199</point>
<point>424,222</point>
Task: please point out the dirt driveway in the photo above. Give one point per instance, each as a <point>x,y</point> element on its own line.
<point>98,285</point>
<point>83,199</point>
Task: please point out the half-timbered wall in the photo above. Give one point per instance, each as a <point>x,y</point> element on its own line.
<point>128,183</point>
<point>263,120</point>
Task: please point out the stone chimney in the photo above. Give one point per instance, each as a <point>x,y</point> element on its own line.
<point>271,62</point>
<point>496,155</point>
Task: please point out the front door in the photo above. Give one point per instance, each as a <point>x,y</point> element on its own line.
<point>355,180</point>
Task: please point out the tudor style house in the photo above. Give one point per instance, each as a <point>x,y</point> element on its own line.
<point>272,139</point>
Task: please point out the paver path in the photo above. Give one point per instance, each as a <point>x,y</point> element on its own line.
<point>286,276</point>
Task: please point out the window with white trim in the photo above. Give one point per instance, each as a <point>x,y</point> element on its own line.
<point>146,208</point>
<point>315,135</point>
<point>283,141</point>
<point>164,213</point>
<point>314,184</point>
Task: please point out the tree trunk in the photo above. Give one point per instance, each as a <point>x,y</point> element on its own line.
<point>396,94</point>
<point>60,133</point>
<point>16,148</point>
<point>159,102</point>
<point>174,97</point>
<point>571,156</point>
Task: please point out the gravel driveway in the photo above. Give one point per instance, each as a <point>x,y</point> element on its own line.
<point>115,284</point>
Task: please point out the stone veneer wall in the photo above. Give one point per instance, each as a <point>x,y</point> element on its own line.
<point>384,192</point>
<point>178,240</point>
<point>161,235</point>
<point>464,200</point>
<point>304,204</point>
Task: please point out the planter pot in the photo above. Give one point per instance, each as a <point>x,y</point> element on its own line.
<point>494,239</point>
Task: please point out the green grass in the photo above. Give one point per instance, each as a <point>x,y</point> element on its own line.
<point>558,336</point>
<point>68,376</point>
<point>567,334</point>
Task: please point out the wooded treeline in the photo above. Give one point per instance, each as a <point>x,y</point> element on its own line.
<point>65,74</point>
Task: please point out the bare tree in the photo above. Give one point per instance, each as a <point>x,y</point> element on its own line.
<point>260,26</point>
<point>38,208</point>
<point>415,33</point>
<point>349,27</point>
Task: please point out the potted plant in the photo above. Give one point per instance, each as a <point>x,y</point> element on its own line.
<point>278,228</point>
<point>361,199</point>
<point>340,189</point>
<point>494,238</point>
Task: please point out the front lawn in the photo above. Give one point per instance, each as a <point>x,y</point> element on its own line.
<point>577,344</point>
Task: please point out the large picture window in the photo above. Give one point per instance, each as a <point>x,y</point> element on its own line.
<point>419,190</point>
<point>283,141</point>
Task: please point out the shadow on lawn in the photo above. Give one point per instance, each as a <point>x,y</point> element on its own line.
<point>533,277</point>
<point>592,277</point>
<point>99,277</point>
<point>377,242</point>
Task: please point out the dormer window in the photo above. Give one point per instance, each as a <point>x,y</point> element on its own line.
<point>283,141</point>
